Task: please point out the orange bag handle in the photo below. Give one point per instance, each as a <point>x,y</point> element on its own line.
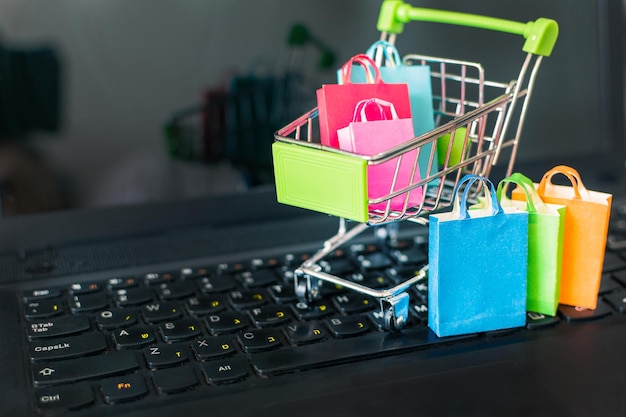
<point>570,173</point>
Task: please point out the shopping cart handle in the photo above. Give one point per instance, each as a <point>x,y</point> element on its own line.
<point>540,35</point>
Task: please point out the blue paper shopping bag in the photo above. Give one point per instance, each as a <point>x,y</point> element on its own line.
<point>477,264</point>
<point>417,78</point>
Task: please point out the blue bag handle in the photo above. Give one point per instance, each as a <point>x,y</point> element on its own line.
<point>470,179</point>
<point>393,57</point>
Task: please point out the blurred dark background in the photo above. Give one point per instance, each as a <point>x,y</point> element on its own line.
<point>109,102</point>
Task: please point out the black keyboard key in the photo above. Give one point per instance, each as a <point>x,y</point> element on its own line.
<point>374,260</point>
<point>258,278</point>
<point>226,370</point>
<point>174,380</point>
<point>158,312</point>
<point>613,262</point>
<point>217,284</point>
<point>132,296</point>
<point>65,397</point>
<point>328,289</point>
<point>583,314</point>
<point>182,329</point>
<point>419,311</point>
<point>401,273</point>
<point>617,300</point>
<point>87,302</point>
<point>115,318</point>
<point>226,322</point>
<point>84,368</point>
<point>305,333</point>
<point>620,276</point>
<point>67,347</point>
<point>421,290</point>
<point>134,337</point>
<point>165,355</point>
<point>207,304</point>
<point>312,310</point>
<point>214,347</point>
<point>270,315</point>
<point>260,340</point>
<point>358,249</point>
<point>337,266</point>
<point>350,326</point>
<point>123,388</point>
<point>59,326</point>
<point>283,293</point>
<point>608,284</point>
<point>536,321</point>
<point>175,290</point>
<point>414,255</point>
<point>353,302</point>
<point>248,298</point>
<point>41,294</point>
<point>43,308</point>
<point>374,280</point>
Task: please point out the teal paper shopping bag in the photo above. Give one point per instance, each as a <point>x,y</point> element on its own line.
<point>417,78</point>
<point>477,264</point>
<point>546,225</point>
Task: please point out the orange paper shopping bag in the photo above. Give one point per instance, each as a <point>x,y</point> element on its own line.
<point>584,238</point>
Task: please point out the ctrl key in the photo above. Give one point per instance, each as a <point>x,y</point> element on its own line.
<point>64,397</point>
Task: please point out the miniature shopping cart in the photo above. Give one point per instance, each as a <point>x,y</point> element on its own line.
<point>477,122</point>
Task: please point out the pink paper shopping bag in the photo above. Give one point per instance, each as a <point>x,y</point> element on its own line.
<point>372,132</point>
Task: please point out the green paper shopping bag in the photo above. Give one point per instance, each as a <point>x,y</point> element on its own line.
<point>477,264</point>
<point>546,224</point>
<point>417,78</point>
<point>584,237</point>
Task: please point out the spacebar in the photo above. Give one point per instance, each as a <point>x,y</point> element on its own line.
<point>344,350</point>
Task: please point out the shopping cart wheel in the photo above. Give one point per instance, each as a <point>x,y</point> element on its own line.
<point>306,288</point>
<point>396,312</point>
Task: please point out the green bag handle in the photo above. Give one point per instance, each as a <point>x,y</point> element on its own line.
<point>540,35</point>
<point>534,203</point>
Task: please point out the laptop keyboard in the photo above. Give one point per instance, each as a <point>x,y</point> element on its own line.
<point>131,339</point>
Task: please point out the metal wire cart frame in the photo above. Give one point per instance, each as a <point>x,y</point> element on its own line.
<point>471,135</point>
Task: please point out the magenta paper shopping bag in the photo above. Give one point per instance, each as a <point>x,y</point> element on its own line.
<point>418,80</point>
<point>371,132</point>
<point>336,102</point>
